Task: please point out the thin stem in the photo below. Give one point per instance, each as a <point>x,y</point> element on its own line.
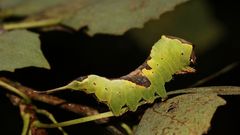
<point>51,117</point>
<point>26,123</point>
<point>75,121</point>
<point>216,74</point>
<point>127,128</point>
<point>14,90</point>
<point>83,110</point>
<point>52,90</point>
<point>31,24</point>
<point>220,90</point>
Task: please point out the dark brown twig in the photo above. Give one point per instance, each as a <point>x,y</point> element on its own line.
<point>55,101</point>
<point>27,108</point>
<point>216,74</point>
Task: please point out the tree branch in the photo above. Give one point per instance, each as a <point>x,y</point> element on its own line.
<point>28,115</point>
<point>55,101</point>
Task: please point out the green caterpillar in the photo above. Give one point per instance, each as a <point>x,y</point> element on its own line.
<point>168,56</point>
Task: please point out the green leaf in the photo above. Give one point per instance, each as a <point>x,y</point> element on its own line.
<point>25,7</point>
<point>119,16</point>
<point>105,16</point>
<point>20,48</point>
<point>180,23</point>
<point>168,56</point>
<point>8,3</point>
<point>188,114</point>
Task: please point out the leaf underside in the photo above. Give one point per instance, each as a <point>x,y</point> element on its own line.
<point>168,56</point>
<point>188,114</point>
<point>105,16</point>
<point>20,48</point>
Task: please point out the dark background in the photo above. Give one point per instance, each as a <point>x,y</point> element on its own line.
<point>74,54</point>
